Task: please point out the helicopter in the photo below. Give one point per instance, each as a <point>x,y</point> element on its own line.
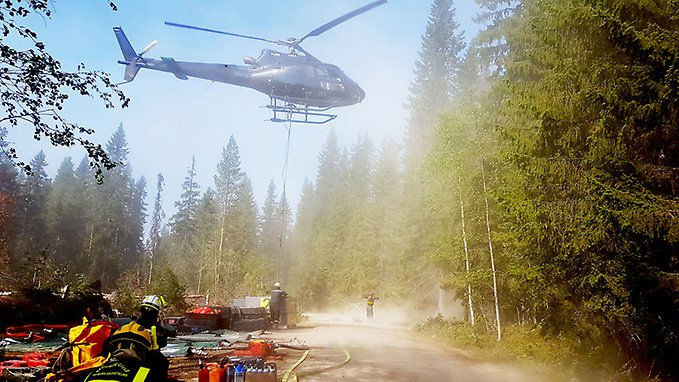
<point>301,88</point>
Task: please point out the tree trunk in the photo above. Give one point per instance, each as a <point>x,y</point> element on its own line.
<point>492,258</point>
<point>218,259</point>
<point>466,257</point>
<point>150,266</point>
<point>203,255</point>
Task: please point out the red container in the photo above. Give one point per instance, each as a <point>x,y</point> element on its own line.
<point>203,374</point>
<point>217,374</point>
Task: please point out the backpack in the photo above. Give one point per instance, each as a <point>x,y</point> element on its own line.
<point>89,339</point>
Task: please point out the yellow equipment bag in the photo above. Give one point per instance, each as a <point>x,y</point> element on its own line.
<point>88,339</point>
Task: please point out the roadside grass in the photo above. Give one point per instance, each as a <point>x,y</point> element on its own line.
<point>558,359</point>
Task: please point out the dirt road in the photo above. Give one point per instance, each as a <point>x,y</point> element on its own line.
<point>362,350</point>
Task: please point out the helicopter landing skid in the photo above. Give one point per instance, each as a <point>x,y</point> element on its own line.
<point>299,114</point>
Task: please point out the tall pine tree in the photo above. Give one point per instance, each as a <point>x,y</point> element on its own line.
<point>65,215</point>
<point>156,220</point>
<point>9,203</point>
<point>116,217</point>
<point>434,88</point>
<point>32,239</point>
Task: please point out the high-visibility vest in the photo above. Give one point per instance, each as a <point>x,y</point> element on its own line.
<point>118,372</point>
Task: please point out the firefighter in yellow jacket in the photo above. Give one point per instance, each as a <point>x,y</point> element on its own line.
<point>149,314</point>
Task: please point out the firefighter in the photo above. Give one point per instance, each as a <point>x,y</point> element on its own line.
<point>277,302</point>
<point>129,348</point>
<point>150,309</point>
<point>371,304</point>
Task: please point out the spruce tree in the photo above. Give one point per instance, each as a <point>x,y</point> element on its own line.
<point>9,204</point>
<point>246,216</point>
<point>436,80</point>
<point>237,220</point>
<point>435,86</point>
<point>302,236</point>
<point>387,192</point>
<point>156,220</point>
<point>85,192</point>
<point>284,260</point>
<point>270,227</point>
<point>65,215</point>
<point>183,221</point>
<point>116,217</point>
<point>319,246</point>
<point>207,242</point>
<point>359,245</point>
<point>182,249</point>
<point>34,190</point>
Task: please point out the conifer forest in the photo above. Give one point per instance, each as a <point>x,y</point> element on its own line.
<point>537,180</point>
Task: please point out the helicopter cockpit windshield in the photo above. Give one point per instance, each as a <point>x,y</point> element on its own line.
<point>329,78</point>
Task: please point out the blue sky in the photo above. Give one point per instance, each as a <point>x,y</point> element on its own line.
<point>169,121</point>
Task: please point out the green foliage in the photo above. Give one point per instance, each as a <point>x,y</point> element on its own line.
<point>183,222</point>
<point>437,79</point>
<point>342,241</point>
<point>126,299</point>
<point>167,284</point>
<point>562,358</point>
<point>274,227</point>
<point>156,218</point>
<point>115,218</point>
<point>41,272</point>
<point>438,82</point>
<point>43,305</point>
<point>587,105</point>
<point>180,249</point>
<point>573,132</point>
<point>212,243</point>
<point>64,215</point>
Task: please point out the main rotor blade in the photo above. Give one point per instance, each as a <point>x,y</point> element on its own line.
<point>217,31</point>
<point>340,20</point>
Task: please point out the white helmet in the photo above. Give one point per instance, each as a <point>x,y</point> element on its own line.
<point>154,302</point>
<point>276,285</point>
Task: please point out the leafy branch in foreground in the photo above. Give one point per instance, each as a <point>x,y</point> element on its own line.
<point>34,88</point>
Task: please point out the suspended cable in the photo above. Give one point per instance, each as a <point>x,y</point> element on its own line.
<point>288,126</point>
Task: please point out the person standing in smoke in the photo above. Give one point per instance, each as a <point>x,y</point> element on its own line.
<point>277,300</point>
<point>371,303</point>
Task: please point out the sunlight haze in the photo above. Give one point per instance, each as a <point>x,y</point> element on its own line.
<point>169,120</point>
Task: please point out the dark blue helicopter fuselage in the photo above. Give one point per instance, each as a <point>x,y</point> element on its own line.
<point>298,79</point>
